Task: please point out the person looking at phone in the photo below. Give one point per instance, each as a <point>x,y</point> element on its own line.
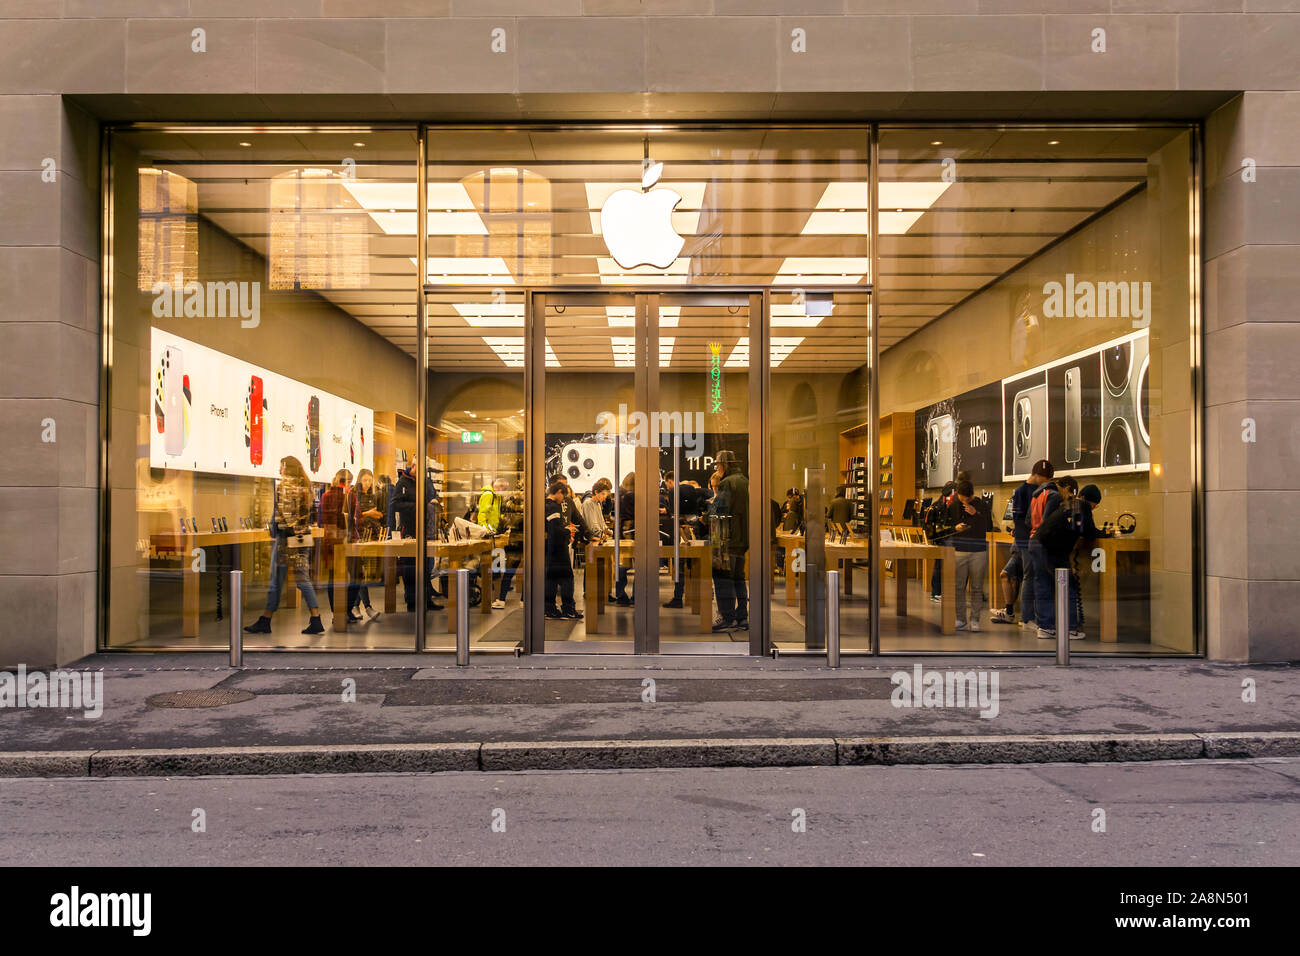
<point>971,521</point>
<point>559,569</point>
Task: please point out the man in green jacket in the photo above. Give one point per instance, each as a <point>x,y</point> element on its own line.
<point>489,504</point>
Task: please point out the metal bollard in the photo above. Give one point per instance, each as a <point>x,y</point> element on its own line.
<point>462,617</point>
<point>236,618</point>
<point>832,619</point>
<point>1063,617</point>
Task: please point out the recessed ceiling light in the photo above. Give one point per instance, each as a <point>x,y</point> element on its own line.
<point>358,144</point>
<point>936,142</point>
<point>245,144</point>
<point>1053,142</point>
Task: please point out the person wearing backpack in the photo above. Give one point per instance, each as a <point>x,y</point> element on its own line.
<point>971,521</point>
<point>1055,531</point>
<point>1017,570</point>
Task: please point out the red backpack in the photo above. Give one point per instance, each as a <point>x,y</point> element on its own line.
<point>1036,507</point>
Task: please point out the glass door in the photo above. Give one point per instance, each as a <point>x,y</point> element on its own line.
<point>642,441</point>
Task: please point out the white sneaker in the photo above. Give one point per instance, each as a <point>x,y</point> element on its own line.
<point>974,626</point>
<point>498,605</point>
<point>961,625</point>
<point>1077,635</point>
<point>1045,635</point>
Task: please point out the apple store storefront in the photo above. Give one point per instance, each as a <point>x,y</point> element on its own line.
<point>670,389</point>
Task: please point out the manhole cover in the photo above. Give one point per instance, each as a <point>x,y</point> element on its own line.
<point>199,698</point>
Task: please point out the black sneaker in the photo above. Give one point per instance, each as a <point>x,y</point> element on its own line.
<point>624,601</point>
<point>742,625</point>
<point>675,602</point>
<point>315,627</point>
<point>722,624</point>
<point>261,626</point>
<point>554,614</point>
<point>573,614</point>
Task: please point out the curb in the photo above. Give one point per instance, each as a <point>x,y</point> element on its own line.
<point>650,754</point>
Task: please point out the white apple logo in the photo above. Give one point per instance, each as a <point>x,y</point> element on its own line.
<point>638,226</point>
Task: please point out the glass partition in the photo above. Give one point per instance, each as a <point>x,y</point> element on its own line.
<point>263,341</point>
<point>820,434</point>
<point>1035,291</point>
<point>474,465</point>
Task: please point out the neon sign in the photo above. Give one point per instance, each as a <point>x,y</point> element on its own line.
<point>715,377</point>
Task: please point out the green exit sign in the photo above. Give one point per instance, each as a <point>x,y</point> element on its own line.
<point>471,438</point>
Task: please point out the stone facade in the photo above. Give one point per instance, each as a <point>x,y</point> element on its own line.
<point>70,65</point>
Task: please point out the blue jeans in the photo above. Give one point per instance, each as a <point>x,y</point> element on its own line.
<point>281,557</point>
<point>1044,576</point>
<point>1021,552</point>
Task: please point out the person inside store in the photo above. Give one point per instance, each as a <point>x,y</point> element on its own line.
<point>592,510</point>
<point>291,544</point>
<point>729,538</point>
<point>488,512</point>
<point>334,521</point>
<point>511,526</point>
<point>403,505</point>
<point>690,499</point>
<point>945,502</point>
<point>971,521</point>
<point>1047,552</point>
<point>627,529</point>
<point>1016,572</point>
<point>559,570</point>
<point>1059,532</point>
<point>840,512</point>
<point>433,520</point>
<point>366,506</point>
<point>792,512</point>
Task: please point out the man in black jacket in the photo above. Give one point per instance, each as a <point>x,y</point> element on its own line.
<point>559,571</point>
<point>404,522</point>
<point>971,522</point>
<point>729,536</point>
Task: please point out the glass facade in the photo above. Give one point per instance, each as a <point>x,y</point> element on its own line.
<point>647,386</point>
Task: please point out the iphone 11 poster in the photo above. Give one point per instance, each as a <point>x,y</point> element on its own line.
<point>216,414</point>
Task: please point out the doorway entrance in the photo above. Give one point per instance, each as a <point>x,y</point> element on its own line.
<point>646,434</point>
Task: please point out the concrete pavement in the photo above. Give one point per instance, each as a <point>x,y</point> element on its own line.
<point>426,714</point>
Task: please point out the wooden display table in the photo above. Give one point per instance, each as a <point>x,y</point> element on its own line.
<point>456,553</point>
<point>598,577</point>
<point>185,543</point>
<point>859,549</point>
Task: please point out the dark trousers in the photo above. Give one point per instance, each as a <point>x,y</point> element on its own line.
<point>559,583</point>
<point>513,559</point>
<point>406,571</point>
<point>1045,564</point>
<point>936,579</point>
<point>729,586</point>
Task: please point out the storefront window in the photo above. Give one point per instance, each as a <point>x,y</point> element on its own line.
<point>1034,297</point>
<point>702,305</point>
<point>262,377</point>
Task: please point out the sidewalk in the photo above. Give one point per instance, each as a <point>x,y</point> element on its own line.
<point>580,712</point>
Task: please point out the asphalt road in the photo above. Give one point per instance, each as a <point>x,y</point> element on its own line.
<point>1230,813</point>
